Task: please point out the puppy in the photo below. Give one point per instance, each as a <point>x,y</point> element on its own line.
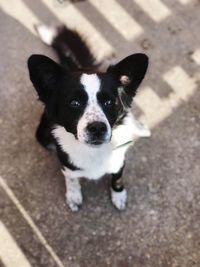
<point>87,114</point>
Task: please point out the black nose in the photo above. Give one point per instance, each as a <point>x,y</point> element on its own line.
<point>97,129</point>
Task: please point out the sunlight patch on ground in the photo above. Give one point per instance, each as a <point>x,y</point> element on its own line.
<point>118,18</point>
<point>196,56</point>
<point>10,253</point>
<point>181,83</point>
<point>156,109</point>
<point>184,2</point>
<point>19,11</point>
<point>31,223</point>
<point>156,10</point>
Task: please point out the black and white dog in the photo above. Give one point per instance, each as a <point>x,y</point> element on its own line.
<point>87,113</point>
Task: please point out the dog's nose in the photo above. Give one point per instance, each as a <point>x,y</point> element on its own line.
<point>97,128</point>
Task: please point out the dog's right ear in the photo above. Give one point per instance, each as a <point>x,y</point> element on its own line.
<point>45,75</point>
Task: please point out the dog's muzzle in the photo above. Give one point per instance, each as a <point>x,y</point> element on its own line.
<point>97,133</point>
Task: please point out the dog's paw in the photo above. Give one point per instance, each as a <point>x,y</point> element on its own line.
<point>119,199</point>
<point>141,129</point>
<point>74,200</point>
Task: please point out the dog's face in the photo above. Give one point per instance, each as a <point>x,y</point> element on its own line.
<point>87,105</point>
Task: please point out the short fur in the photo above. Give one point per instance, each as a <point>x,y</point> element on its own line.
<point>87,114</point>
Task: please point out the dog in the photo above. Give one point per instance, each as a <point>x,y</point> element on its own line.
<point>87,113</point>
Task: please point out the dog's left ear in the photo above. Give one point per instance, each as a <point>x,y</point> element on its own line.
<point>130,72</point>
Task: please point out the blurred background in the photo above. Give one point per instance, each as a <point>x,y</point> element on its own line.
<point>160,227</point>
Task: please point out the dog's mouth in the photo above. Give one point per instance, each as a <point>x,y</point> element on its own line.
<point>94,142</point>
<point>97,142</point>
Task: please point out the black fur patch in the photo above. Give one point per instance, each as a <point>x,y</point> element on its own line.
<point>43,133</point>
<point>116,182</point>
<point>108,91</point>
<point>72,50</point>
<point>134,67</point>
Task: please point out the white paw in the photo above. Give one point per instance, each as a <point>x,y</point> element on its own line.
<point>74,200</point>
<point>119,199</point>
<point>141,129</point>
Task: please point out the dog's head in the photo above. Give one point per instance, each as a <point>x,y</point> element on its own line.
<point>87,105</point>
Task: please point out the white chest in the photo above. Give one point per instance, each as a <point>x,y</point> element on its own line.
<point>95,162</point>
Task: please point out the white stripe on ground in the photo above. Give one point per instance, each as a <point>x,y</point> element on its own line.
<point>18,10</point>
<point>155,109</point>
<point>184,2</point>
<point>31,223</point>
<point>196,56</point>
<point>10,253</point>
<point>156,10</point>
<point>118,18</point>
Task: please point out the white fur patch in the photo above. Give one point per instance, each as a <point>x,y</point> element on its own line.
<point>91,85</point>
<point>73,192</point>
<point>93,111</point>
<point>141,129</point>
<point>119,199</point>
<point>47,34</point>
<point>93,161</point>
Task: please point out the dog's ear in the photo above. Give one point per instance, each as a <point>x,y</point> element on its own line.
<point>130,72</point>
<point>45,75</point>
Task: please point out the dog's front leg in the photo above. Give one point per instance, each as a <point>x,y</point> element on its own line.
<point>73,193</point>
<point>118,192</point>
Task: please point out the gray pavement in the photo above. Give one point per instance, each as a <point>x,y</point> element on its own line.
<point>161,225</point>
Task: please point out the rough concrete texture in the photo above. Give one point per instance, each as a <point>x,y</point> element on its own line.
<point>161,225</point>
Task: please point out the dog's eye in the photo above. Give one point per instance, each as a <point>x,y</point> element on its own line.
<point>108,103</point>
<point>75,103</point>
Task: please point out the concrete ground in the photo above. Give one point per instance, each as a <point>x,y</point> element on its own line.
<point>161,225</point>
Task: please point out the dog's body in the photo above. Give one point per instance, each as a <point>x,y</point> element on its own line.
<point>87,113</point>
